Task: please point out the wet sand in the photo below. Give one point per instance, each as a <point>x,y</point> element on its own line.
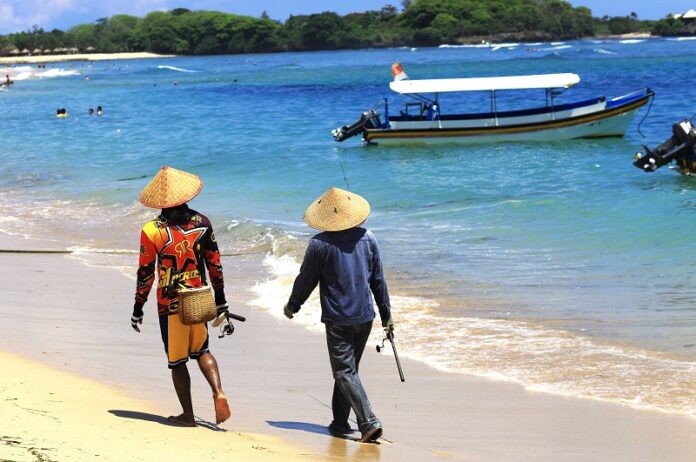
<point>78,57</point>
<point>75,318</point>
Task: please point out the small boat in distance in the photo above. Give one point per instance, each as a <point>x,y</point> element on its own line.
<point>421,119</point>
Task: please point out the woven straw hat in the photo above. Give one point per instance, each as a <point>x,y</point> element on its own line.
<point>169,188</point>
<point>337,210</point>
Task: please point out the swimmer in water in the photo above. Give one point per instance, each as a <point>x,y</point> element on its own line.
<point>90,112</point>
<point>100,111</point>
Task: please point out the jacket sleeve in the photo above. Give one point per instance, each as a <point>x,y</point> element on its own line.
<point>307,280</point>
<point>211,254</point>
<point>146,269</point>
<point>378,285</point>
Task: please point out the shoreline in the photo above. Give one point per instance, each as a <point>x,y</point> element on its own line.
<point>630,35</point>
<point>277,377</point>
<point>522,357</point>
<point>493,40</point>
<point>79,57</point>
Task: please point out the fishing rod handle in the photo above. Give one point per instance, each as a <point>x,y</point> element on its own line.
<point>396,357</point>
<point>236,317</point>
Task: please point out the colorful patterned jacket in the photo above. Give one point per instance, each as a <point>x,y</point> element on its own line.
<point>180,247</point>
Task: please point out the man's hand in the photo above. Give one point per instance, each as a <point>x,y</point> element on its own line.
<point>221,315</point>
<point>137,317</point>
<point>288,311</point>
<point>222,308</point>
<point>388,326</point>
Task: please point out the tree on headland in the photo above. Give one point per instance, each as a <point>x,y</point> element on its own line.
<point>674,25</point>
<point>418,23</point>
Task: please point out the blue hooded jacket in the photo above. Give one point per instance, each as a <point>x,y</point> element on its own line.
<point>347,266</point>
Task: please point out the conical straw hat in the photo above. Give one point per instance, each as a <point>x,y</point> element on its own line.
<point>169,188</point>
<point>337,210</point>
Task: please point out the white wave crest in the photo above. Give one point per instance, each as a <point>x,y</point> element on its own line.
<point>177,69</point>
<point>499,46</point>
<point>56,73</point>
<point>559,47</point>
<point>602,51</point>
<point>31,73</point>
<point>476,45</point>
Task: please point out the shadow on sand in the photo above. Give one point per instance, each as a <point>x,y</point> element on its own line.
<point>137,415</point>
<point>339,447</point>
<point>302,426</point>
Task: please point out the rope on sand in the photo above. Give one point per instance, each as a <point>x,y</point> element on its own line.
<point>114,252</point>
<point>35,251</point>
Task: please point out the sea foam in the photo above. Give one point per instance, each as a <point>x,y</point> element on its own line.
<point>177,69</point>
<point>531,355</point>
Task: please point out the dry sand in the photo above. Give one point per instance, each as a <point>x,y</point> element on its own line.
<point>630,35</point>
<point>59,312</point>
<point>48,415</point>
<point>78,57</point>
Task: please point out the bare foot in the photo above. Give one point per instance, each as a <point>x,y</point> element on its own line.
<point>222,409</point>
<point>181,421</point>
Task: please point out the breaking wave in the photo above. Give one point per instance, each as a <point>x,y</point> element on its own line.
<point>177,69</point>
<point>534,356</point>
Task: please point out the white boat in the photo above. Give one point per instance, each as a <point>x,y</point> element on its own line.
<point>421,119</point>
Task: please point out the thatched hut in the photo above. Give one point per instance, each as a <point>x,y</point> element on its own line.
<point>25,51</point>
<point>90,49</point>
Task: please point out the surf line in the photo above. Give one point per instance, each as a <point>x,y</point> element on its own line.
<point>66,252</point>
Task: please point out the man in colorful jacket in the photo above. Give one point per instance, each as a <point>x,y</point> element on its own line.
<point>179,245</point>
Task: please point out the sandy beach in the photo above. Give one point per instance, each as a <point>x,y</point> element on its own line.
<point>78,382</point>
<point>78,57</point>
<point>50,415</point>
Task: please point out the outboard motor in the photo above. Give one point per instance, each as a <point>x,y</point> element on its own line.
<point>367,120</point>
<point>679,147</point>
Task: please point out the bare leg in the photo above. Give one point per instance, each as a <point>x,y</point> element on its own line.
<point>210,371</point>
<point>182,385</point>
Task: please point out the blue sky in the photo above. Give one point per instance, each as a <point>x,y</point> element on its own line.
<point>16,15</point>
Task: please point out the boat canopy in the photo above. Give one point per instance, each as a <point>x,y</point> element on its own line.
<point>517,82</point>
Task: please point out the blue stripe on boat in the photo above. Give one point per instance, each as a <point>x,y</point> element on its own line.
<point>627,98</point>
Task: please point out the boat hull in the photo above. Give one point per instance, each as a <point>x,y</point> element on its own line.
<point>605,123</point>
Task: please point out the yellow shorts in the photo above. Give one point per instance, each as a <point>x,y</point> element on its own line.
<point>182,342</point>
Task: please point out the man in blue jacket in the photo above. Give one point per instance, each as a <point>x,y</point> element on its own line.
<point>344,260</point>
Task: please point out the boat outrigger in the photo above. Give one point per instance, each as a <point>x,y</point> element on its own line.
<point>421,120</point>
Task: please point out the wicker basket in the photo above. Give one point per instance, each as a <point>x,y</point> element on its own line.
<point>196,305</point>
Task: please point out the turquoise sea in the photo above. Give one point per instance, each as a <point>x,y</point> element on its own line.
<point>559,266</point>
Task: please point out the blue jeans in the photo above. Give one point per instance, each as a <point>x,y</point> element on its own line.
<point>346,345</point>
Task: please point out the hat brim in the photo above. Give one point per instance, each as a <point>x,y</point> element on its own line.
<point>337,210</point>
<point>169,188</point>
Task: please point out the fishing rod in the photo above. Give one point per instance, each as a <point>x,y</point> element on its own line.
<point>390,337</point>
